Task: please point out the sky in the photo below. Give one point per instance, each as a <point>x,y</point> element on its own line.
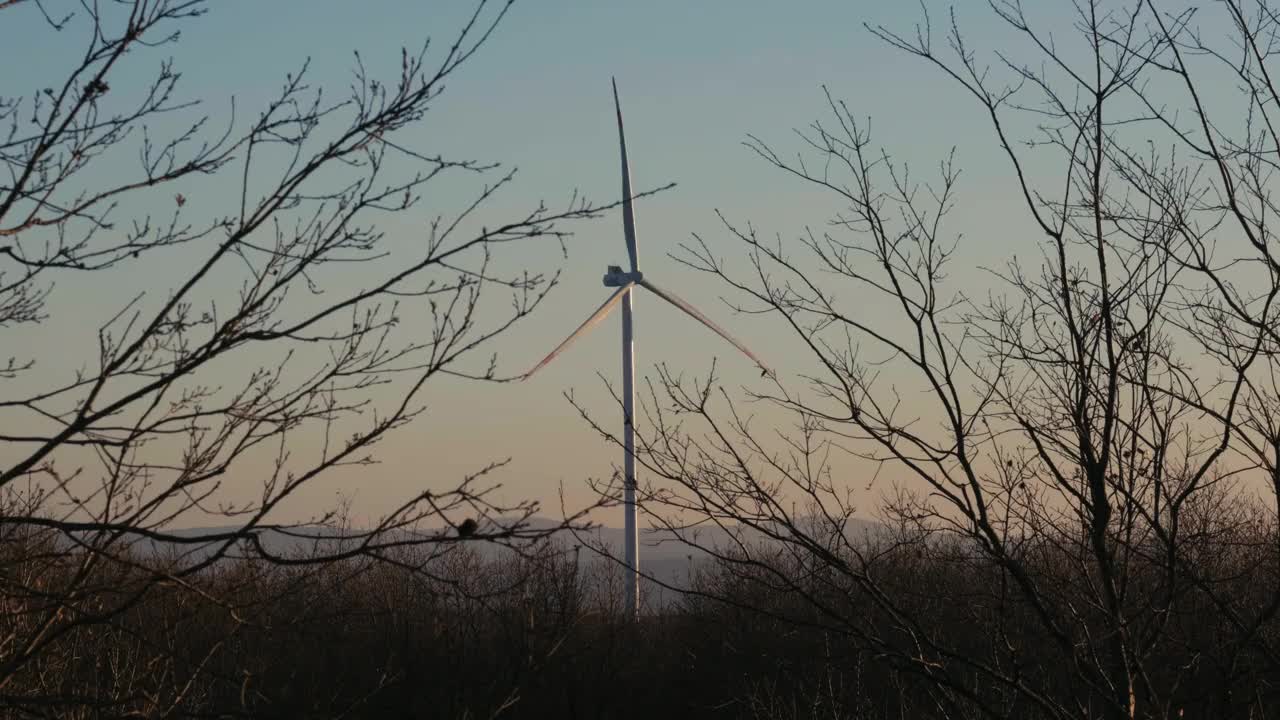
<point>695,79</point>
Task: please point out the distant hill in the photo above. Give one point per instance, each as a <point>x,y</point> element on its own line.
<point>666,559</point>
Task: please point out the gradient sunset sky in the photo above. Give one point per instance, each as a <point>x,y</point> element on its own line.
<point>695,78</point>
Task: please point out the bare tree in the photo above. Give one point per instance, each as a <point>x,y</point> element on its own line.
<point>1088,521</point>
<point>276,335</point>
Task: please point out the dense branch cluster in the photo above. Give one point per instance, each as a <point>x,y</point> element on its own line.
<point>1093,445</point>
<point>272,331</point>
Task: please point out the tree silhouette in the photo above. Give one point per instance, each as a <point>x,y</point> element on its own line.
<point>278,332</point>
<point>1088,448</point>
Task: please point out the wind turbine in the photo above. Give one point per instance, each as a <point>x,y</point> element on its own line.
<point>626,283</point>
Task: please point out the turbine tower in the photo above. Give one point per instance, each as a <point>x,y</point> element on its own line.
<point>626,282</point>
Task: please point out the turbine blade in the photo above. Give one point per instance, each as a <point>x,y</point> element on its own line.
<point>678,302</point>
<point>628,212</point>
<point>586,325</point>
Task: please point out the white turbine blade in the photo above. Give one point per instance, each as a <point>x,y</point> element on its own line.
<point>628,212</point>
<point>586,325</point>
<point>675,300</point>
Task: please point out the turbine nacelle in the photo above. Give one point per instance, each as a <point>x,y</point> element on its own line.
<point>615,277</point>
<point>625,282</point>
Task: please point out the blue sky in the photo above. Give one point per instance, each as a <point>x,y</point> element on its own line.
<point>695,79</point>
